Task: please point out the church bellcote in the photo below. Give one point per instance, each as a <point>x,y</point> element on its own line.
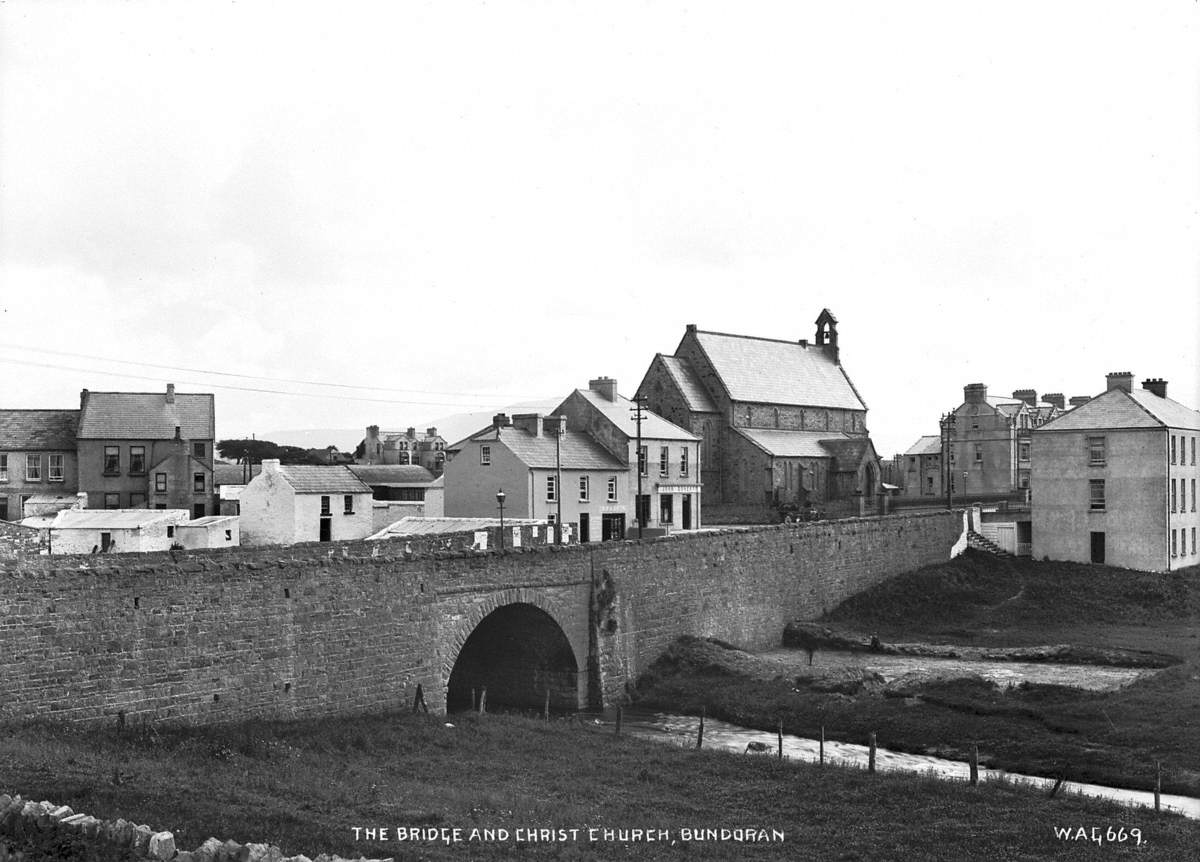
<point>827,334</point>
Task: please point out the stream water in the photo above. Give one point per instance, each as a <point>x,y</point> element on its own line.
<point>682,729</point>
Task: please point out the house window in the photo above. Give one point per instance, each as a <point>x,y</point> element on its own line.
<point>170,531</point>
<point>978,453</point>
<point>1096,494</point>
<point>683,461</point>
<point>325,509</point>
<point>112,460</point>
<point>552,518</point>
<point>137,500</point>
<point>160,483</point>
<point>1022,482</point>
<point>3,468</point>
<point>229,535</point>
<point>1193,451</point>
<point>612,489</point>
<point>1172,448</point>
<point>664,460</point>
<point>3,508</point>
<point>1097,451</point>
<point>551,488</point>
<point>197,510</point>
<point>585,487</point>
<point>56,468</point>
<point>1193,495</point>
<point>198,450</point>
<point>33,468</point>
<point>198,483</point>
<point>485,456</point>
<point>1193,540</point>
<point>137,459</point>
<point>1172,495</point>
<point>112,501</point>
<point>348,504</point>
<point>1173,532</point>
<point>1023,451</point>
<point>643,456</point>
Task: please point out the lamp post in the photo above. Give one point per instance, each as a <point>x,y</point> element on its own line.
<point>500,502</point>
<point>964,493</point>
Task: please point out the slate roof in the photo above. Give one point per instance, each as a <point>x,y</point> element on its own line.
<point>689,384</point>
<point>392,475</point>
<point>38,429</point>
<point>789,444</point>
<point>619,412</point>
<point>1117,408</point>
<point>578,451</point>
<point>931,444</point>
<point>312,479</point>
<point>414,525</point>
<point>146,416</point>
<point>768,371</point>
<point>848,453</point>
<point>115,519</point>
<point>210,520</point>
<point>233,474</point>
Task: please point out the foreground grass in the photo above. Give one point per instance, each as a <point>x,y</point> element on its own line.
<point>1104,737</point>
<point>304,785</point>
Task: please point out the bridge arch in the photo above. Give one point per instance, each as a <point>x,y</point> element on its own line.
<point>517,644</point>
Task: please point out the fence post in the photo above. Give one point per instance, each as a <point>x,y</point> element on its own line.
<point>1158,785</point>
<point>821,750</point>
<point>483,700</point>
<point>617,732</point>
<point>546,708</point>
<point>871,754</point>
<point>700,734</point>
<point>781,739</point>
<point>975,766</point>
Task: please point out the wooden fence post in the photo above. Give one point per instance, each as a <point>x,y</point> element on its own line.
<point>546,708</point>
<point>1158,785</point>
<point>871,754</point>
<point>483,700</point>
<point>974,766</point>
<point>700,734</point>
<point>617,732</point>
<point>821,750</point>
<point>781,739</point>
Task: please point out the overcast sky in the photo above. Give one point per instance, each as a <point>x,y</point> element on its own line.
<point>466,205</point>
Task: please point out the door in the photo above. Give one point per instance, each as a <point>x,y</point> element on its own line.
<point>612,527</point>
<point>105,542</point>
<point>584,528</point>
<point>326,529</point>
<point>687,511</point>
<point>1097,547</point>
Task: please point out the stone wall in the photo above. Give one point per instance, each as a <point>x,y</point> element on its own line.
<point>18,541</point>
<point>211,636</point>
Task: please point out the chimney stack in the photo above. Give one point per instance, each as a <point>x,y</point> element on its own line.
<point>1055,398</point>
<point>1119,380</point>
<point>170,393</point>
<point>500,420</point>
<point>1029,396</point>
<point>270,466</point>
<point>975,393</point>
<point>605,386</point>
<point>430,432</point>
<point>1156,385</point>
<point>528,422</point>
<point>554,425</point>
<point>1077,400</point>
<point>691,328</point>
<point>83,394</point>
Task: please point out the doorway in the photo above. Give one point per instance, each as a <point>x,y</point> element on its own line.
<point>612,527</point>
<point>686,514</point>
<point>584,528</point>
<point>1098,548</point>
<point>326,529</point>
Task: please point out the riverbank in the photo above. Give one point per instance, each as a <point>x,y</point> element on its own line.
<point>305,786</point>
<point>1106,737</point>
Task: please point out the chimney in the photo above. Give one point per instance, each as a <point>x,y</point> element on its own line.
<point>411,433</point>
<point>83,394</point>
<point>500,420</point>
<point>605,386</point>
<point>529,422</point>
<point>430,432</point>
<point>1029,396</point>
<point>1119,380</point>
<point>270,466</point>
<point>554,425</point>
<point>1156,385</point>
<point>691,328</point>
<point>1055,398</point>
<point>170,393</point>
<point>1077,400</point>
<point>975,393</point>
<point>804,342</point>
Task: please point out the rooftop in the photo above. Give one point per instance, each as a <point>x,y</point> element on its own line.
<point>689,384</point>
<point>577,451</point>
<point>146,416</point>
<point>392,474</point>
<point>413,525</point>
<point>1116,408</point>
<point>38,429</point>
<point>931,444</point>
<point>115,519</point>
<point>311,479</point>
<point>620,413</point>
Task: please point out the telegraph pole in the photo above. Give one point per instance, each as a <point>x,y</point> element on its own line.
<point>637,503</point>
<point>558,488</point>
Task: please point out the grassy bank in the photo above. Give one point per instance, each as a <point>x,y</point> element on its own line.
<point>1105,737</point>
<point>304,785</point>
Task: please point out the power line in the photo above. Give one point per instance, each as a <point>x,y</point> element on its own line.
<point>247,376</point>
<point>324,396</point>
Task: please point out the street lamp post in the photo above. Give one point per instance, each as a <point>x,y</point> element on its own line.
<point>500,502</point>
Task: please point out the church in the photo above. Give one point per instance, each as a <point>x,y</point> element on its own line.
<point>781,423</point>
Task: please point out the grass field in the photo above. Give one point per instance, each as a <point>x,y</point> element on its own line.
<point>1106,737</point>
<point>305,785</point>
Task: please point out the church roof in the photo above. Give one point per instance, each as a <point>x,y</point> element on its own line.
<point>689,384</point>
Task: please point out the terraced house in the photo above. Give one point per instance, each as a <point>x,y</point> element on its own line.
<point>37,458</point>
<point>780,421</point>
<point>147,450</point>
<point>1114,480</point>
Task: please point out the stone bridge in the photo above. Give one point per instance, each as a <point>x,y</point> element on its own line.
<point>318,629</point>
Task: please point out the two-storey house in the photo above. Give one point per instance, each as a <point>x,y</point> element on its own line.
<point>780,421</point>
<point>37,457</point>
<point>286,504</point>
<point>667,465</point>
<point>546,471</point>
<point>140,450</point>
<point>1114,480</point>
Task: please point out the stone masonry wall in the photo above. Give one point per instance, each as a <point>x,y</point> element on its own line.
<point>211,636</point>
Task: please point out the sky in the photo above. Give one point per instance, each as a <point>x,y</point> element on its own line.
<point>335,215</point>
